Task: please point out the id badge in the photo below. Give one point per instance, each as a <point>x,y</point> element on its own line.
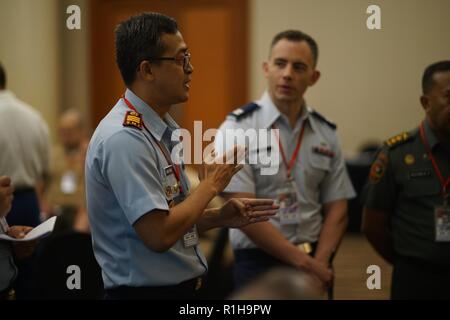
<point>190,238</point>
<point>442,223</point>
<point>287,199</point>
<point>171,187</point>
<point>68,182</point>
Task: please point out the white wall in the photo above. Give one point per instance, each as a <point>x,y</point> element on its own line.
<point>370,83</point>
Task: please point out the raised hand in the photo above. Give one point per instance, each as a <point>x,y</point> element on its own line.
<point>218,170</point>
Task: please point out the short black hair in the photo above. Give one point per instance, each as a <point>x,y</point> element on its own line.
<point>296,35</point>
<point>139,38</point>
<point>430,71</point>
<point>2,77</point>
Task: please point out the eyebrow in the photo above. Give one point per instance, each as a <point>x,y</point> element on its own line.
<point>294,62</point>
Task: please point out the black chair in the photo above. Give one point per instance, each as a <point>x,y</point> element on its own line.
<point>53,258</point>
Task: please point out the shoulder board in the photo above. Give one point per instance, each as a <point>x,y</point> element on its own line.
<point>244,111</point>
<point>133,119</point>
<point>323,119</point>
<point>398,140</point>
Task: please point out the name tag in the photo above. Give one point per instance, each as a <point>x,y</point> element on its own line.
<point>442,223</point>
<point>419,174</point>
<point>69,182</point>
<point>190,238</point>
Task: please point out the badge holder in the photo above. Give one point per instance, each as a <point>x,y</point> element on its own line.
<point>442,220</point>
<point>288,200</point>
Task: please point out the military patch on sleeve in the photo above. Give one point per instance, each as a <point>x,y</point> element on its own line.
<point>133,119</point>
<point>398,139</point>
<point>378,168</point>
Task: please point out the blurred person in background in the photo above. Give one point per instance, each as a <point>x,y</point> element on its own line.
<point>25,158</point>
<point>65,196</point>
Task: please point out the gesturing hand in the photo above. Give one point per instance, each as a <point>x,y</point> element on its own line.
<point>239,212</point>
<point>218,170</point>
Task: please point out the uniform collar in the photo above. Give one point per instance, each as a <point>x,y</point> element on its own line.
<point>5,93</point>
<point>430,135</point>
<point>270,112</point>
<point>154,123</point>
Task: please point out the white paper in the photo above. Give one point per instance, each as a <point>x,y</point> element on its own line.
<point>40,231</point>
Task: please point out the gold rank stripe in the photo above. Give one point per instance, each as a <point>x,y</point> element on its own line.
<point>134,119</point>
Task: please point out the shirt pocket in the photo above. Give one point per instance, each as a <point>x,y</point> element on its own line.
<point>316,168</point>
<point>421,187</point>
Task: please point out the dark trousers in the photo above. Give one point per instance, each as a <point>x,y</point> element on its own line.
<point>24,212</point>
<point>187,290</point>
<point>413,279</point>
<point>251,263</point>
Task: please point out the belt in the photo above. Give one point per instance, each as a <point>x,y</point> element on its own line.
<point>191,285</point>
<point>20,190</point>
<point>307,247</point>
<point>423,265</point>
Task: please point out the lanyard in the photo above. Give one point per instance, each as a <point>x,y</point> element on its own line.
<point>291,163</point>
<point>161,147</point>
<point>444,182</point>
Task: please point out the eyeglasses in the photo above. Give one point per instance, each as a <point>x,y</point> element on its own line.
<point>184,60</point>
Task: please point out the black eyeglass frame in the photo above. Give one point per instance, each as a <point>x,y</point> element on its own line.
<point>186,60</point>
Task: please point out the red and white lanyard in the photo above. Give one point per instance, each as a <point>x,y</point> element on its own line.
<point>444,181</point>
<point>163,148</point>
<point>290,165</point>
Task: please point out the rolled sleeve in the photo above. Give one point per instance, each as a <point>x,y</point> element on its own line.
<point>133,174</point>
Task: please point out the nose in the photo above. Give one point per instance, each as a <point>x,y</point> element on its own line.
<point>190,68</point>
<point>287,71</point>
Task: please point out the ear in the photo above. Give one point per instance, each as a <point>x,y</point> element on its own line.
<point>145,71</point>
<point>315,77</point>
<point>425,102</point>
<point>265,67</point>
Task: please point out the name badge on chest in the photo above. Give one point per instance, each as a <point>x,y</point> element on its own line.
<point>190,238</point>
<point>288,200</point>
<point>68,182</point>
<point>171,186</point>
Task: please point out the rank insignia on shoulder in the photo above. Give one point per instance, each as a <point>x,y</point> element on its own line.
<point>133,119</point>
<point>398,139</point>
<point>320,117</point>
<point>244,111</point>
<point>323,151</point>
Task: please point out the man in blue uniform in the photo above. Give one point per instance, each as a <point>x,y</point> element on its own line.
<point>311,183</point>
<point>144,219</point>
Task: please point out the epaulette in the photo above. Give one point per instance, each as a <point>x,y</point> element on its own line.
<point>133,119</point>
<point>398,140</point>
<point>322,118</point>
<point>242,112</point>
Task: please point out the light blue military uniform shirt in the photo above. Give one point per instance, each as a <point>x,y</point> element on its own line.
<point>125,179</point>
<point>319,171</point>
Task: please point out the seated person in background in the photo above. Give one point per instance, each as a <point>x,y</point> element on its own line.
<point>66,196</point>
<point>8,270</point>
